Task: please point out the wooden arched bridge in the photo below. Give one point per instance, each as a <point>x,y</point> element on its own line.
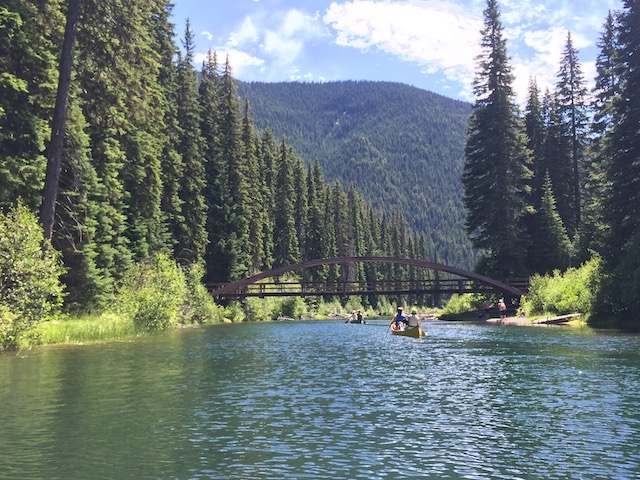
<point>447,280</point>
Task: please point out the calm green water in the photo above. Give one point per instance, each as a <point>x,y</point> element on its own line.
<point>321,400</point>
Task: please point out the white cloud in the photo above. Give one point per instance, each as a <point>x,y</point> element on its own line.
<point>437,36</point>
<point>285,43</point>
<point>238,59</point>
<point>248,33</point>
<point>273,42</point>
<point>440,37</point>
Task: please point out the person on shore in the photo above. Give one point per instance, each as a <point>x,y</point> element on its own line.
<point>503,310</point>
<point>399,321</point>
<point>414,321</point>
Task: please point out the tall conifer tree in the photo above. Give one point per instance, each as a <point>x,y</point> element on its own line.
<point>255,192</point>
<point>496,173</point>
<point>623,167</point>
<point>286,250</point>
<point>571,94</point>
<point>551,248</point>
<point>191,236</point>
<point>606,91</point>
<point>536,133</point>
<point>619,295</point>
<point>268,160</point>
<point>31,36</point>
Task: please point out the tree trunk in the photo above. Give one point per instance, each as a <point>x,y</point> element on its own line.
<point>54,157</point>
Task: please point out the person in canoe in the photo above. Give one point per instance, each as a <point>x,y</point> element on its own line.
<point>414,321</point>
<point>399,321</point>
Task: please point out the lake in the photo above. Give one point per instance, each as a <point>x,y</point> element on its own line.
<point>320,400</point>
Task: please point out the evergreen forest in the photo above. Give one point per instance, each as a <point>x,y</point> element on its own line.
<point>561,176</point>
<point>400,146</point>
<point>128,152</point>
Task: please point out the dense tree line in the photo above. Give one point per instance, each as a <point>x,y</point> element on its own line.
<point>158,157</point>
<point>559,182</point>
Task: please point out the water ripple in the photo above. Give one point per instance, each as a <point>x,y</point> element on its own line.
<point>317,400</point>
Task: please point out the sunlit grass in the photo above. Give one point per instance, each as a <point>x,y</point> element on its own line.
<point>87,329</point>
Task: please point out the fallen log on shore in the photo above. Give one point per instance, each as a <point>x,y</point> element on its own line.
<point>556,320</point>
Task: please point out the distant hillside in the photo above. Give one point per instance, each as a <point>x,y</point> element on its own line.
<point>401,146</point>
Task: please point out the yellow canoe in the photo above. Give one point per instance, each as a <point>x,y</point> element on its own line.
<point>410,332</point>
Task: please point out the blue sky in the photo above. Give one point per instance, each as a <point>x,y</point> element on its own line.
<point>425,43</point>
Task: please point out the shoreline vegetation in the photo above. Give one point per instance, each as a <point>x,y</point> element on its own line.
<point>158,294</point>
<point>110,327</point>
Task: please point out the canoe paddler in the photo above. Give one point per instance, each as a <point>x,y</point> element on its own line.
<point>399,321</point>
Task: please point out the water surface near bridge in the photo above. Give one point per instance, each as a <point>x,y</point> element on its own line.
<point>318,400</point>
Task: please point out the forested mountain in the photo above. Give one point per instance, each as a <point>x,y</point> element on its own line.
<point>400,146</point>
<point>154,158</point>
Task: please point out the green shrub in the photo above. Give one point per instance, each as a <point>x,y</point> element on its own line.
<point>292,307</point>
<point>234,313</point>
<point>153,294</point>
<point>30,289</point>
<point>467,302</point>
<point>560,293</point>
<point>198,306</point>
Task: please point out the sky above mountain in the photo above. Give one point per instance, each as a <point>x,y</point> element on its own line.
<point>427,44</point>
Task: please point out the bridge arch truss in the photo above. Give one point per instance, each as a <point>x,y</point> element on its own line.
<point>454,280</point>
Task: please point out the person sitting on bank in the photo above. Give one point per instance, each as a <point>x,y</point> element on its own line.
<point>414,320</point>
<point>399,321</point>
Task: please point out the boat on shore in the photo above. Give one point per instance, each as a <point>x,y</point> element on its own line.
<point>410,332</point>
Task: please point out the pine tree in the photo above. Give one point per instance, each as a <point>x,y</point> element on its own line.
<point>536,134</point>
<point>496,172</point>
<point>356,235</point>
<point>171,166</point>
<point>331,245</point>
<point>58,123</point>
<point>623,167</point>
<point>31,36</point>
<point>551,247</point>
<point>571,95</point>
<point>236,174</point>
<point>218,256</point>
<point>286,243</point>
<point>557,158</point>
<point>606,91</point>
<point>301,205</point>
<point>267,160</point>
<point>191,236</point>
<point>618,295</point>
<point>255,200</point>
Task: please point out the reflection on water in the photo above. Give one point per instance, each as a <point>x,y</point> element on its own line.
<point>318,400</point>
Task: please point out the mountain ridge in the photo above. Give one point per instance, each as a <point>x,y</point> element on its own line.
<point>401,146</point>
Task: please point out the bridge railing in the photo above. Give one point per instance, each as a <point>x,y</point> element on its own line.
<point>380,287</point>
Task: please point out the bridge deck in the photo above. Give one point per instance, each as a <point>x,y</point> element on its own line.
<point>303,289</point>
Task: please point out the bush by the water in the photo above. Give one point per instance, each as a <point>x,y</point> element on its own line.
<point>560,293</point>
<point>158,294</point>
<point>464,303</point>
<point>153,293</point>
<point>30,289</point>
